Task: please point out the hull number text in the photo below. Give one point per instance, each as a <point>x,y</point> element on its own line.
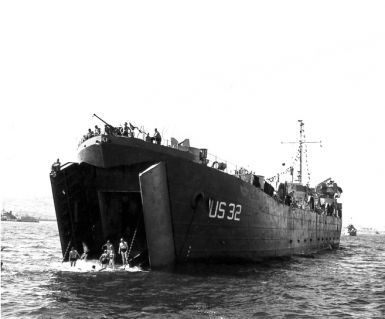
<point>223,210</point>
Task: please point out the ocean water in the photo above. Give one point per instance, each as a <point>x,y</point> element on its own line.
<point>344,283</point>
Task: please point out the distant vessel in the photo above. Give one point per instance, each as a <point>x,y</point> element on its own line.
<point>27,218</point>
<point>173,204</point>
<point>8,216</point>
<point>352,231</point>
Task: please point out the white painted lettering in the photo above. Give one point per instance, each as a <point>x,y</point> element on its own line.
<point>237,212</point>
<point>211,213</point>
<point>221,210</point>
<point>232,209</point>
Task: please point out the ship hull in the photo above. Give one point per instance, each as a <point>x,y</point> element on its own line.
<point>219,216</point>
<point>199,213</point>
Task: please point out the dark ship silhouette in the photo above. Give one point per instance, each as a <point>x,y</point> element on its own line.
<point>352,231</point>
<point>173,205</point>
<point>8,216</point>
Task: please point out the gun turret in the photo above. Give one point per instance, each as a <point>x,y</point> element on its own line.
<point>103,121</point>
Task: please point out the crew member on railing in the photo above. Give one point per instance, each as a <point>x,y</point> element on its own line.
<point>157,137</point>
<point>125,129</point>
<point>55,168</point>
<point>90,133</point>
<point>148,138</point>
<point>107,130</point>
<point>97,130</point>
<point>118,130</point>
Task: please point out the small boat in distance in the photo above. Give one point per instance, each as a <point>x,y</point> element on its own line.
<point>352,230</point>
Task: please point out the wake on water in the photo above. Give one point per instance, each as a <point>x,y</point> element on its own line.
<point>91,266</point>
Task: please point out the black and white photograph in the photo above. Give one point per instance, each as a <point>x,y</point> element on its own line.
<point>192,159</point>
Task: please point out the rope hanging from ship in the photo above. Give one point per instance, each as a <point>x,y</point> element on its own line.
<point>306,159</point>
<point>194,204</point>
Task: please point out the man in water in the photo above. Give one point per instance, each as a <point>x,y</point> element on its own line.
<point>123,250</point>
<point>73,256</point>
<point>111,256</point>
<point>85,252</point>
<point>104,259</point>
<point>111,253</point>
<point>108,246</point>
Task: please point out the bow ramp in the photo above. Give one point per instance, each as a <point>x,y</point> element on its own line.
<point>157,216</point>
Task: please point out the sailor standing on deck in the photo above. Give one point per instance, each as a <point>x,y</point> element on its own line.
<point>123,250</point>
<point>97,130</point>
<point>107,130</point>
<point>55,167</point>
<point>125,129</point>
<point>90,133</point>
<point>157,137</point>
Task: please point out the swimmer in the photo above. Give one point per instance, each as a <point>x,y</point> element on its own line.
<point>108,246</point>
<point>84,256</point>
<point>111,253</point>
<point>111,256</point>
<point>104,260</point>
<point>85,252</point>
<point>123,250</point>
<point>73,256</point>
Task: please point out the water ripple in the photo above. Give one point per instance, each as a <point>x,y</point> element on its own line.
<point>346,283</point>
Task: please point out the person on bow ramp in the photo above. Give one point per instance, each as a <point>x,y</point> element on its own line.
<point>73,256</point>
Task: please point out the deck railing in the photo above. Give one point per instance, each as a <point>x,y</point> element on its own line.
<point>213,160</point>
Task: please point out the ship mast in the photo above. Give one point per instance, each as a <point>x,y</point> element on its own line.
<point>301,142</point>
<point>300,149</point>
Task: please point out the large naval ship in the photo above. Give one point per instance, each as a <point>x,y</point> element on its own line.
<point>173,204</point>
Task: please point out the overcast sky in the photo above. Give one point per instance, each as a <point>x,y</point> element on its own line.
<point>234,77</point>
